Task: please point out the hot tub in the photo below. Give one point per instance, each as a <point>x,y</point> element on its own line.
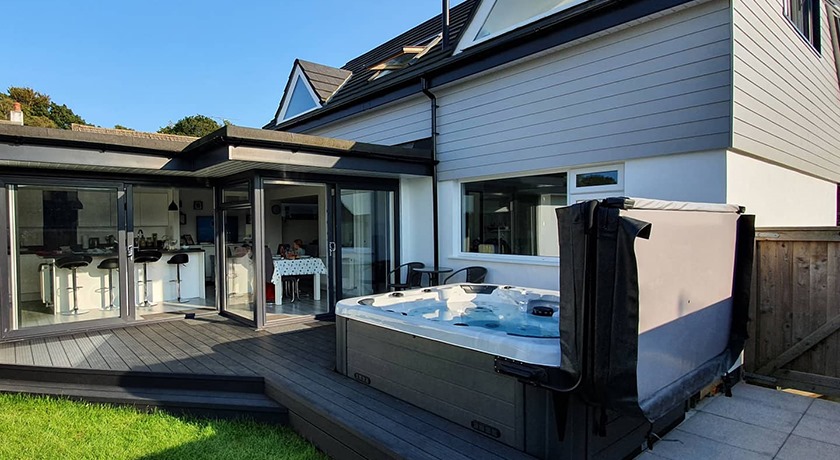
<point>652,309</point>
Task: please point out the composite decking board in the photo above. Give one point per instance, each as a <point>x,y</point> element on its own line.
<point>74,352</point>
<point>301,390</point>
<point>356,417</point>
<point>113,360</point>
<point>325,440</point>
<point>126,355</point>
<point>7,352</point>
<point>23,353</point>
<point>40,354</point>
<point>192,365</point>
<point>141,394</point>
<point>191,353</point>
<point>233,364</point>
<point>162,356</point>
<point>150,360</point>
<point>57,353</point>
<point>94,358</point>
<point>374,405</point>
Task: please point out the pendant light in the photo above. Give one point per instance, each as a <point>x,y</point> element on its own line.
<point>173,206</point>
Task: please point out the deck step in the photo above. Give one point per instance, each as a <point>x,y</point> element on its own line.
<point>209,396</point>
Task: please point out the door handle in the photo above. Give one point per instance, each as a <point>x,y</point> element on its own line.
<point>331,247</point>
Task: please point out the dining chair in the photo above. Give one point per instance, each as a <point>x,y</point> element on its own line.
<point>474,274</point>
<point>412,278</point>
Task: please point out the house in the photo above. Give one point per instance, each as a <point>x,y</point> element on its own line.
<point>529,107</point>
<point>450,144</point>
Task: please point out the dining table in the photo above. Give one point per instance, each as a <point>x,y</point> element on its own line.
<point>302,266</point>
<point>432,273</point>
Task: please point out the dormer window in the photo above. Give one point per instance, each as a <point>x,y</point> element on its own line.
<point>495,17</point>
<point>406,57</point>
<point>299,97</point>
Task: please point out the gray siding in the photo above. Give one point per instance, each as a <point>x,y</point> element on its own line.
<point>660,87</point>
<point>403,121</point>
<point>785,95</point>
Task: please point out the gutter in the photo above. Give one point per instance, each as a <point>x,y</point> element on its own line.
<point>433,100</point>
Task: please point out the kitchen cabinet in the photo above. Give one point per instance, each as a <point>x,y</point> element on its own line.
<point>151,209</point>
<point>99,209</point>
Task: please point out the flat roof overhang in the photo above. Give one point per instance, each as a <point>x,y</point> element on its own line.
<point>229,150</point>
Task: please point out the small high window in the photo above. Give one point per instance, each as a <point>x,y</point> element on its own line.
<point>805,16</point>
<point>299,97</point>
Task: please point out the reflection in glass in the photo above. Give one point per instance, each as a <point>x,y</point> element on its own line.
<point>65,261</point>
<point>367,240</point>
<point>239,273</point>
<point>513,216</point>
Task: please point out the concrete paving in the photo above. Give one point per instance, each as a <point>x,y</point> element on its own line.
<point>755,423</point>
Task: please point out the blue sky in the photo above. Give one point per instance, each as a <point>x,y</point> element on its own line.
<point>143,64</point>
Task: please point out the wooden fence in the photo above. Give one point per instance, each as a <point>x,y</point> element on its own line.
<point>795,310</point>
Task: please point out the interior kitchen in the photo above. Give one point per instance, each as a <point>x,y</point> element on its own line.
<point>67,253</point>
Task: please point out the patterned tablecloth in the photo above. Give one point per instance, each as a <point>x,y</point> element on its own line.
<point>285,267</point>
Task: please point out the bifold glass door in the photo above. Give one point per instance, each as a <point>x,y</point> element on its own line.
<point>366,237</point>
<point>65,254</point>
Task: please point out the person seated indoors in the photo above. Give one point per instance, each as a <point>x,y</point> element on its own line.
<point>297,250</point>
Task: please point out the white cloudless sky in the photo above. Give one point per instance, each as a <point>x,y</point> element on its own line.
<point>144,64</point>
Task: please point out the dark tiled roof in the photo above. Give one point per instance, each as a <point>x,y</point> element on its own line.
<point>324,79</point>
<point>458,18</point>
<point>359,81</point>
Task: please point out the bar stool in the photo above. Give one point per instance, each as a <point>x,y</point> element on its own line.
<point>178,260</point>
<point>145,258</point>
<point>110,264</point>
<point>73,263</point>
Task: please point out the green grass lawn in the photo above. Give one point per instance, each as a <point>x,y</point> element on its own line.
<point>48,428</point>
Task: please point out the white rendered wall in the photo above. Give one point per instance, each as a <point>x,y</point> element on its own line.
<point>416,225</point>
<point>779,197</point>
<point>688,177</point>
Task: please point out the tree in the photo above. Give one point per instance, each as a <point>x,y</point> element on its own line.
<point>195,125</point>
<point>38,109</point>
<point>123,127</point>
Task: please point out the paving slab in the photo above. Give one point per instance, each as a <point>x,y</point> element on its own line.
<point>772,398</point>
<point>819,429</point>
<point>799,448</point>
<point>754,412</point>
<point>828,410</point>
<point>735,433</point>
<point>682,445</point>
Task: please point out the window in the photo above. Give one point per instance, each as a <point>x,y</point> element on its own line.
<point>805,16</point>
<point>299,98</point>
<point>408,55</point>
<point>494,18</point>
<point>513,215</point>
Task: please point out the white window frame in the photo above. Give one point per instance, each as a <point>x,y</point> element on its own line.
<point>595,189</point>
<point>287,97</point>
<point>468,37</point>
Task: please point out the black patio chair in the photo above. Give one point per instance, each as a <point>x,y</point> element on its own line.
<point>473,274</point>
<point>412,278</point>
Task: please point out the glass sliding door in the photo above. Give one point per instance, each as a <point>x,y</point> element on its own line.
<point>366,238</point>
<point>238,271</point>
<point>65,247</point>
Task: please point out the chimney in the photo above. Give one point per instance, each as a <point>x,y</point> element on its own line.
<point>444,20</point>
<point>16,115</point>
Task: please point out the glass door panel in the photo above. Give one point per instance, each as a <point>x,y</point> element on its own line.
<point>65,254</point>
<point>239,272</point>
<point>366,240</point>
<point>296,249</point>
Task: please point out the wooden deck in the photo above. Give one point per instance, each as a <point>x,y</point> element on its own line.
<point>344,418</point>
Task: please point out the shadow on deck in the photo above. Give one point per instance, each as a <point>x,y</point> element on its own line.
<point>344,418</point>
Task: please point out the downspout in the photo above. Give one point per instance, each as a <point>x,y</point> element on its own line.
<point>436,240</point>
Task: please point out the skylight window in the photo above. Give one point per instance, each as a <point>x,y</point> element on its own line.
<point>495,17</point>
<point>408,55</point>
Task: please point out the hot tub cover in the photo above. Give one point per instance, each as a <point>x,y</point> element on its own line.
<point>599,307</point>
